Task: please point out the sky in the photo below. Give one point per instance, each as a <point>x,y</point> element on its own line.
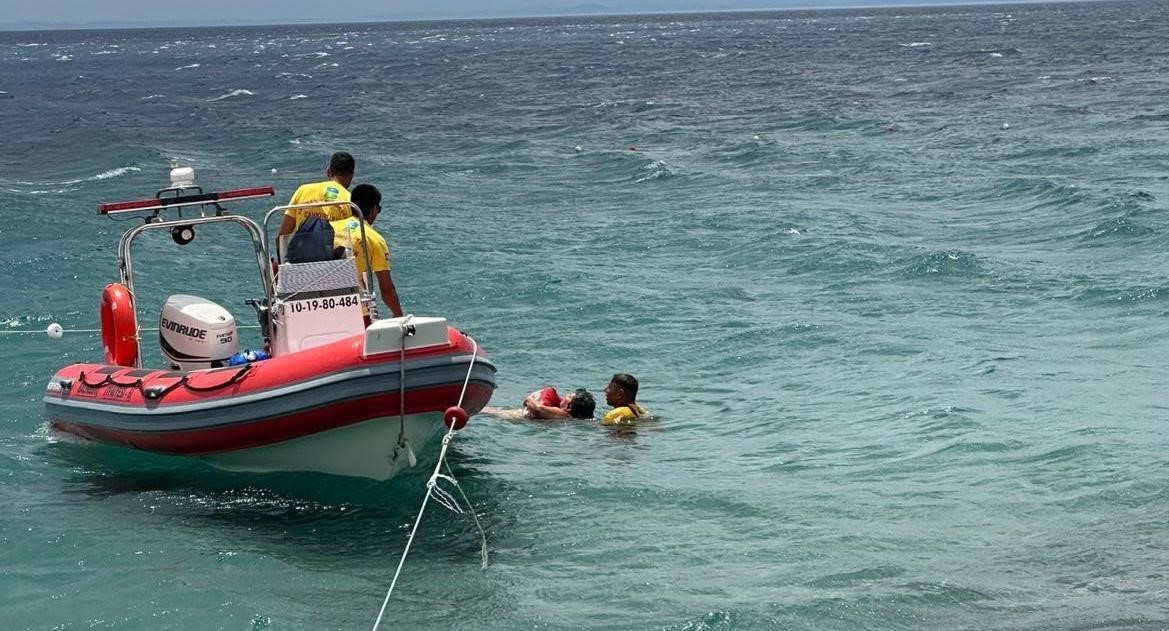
<point>20,14</point>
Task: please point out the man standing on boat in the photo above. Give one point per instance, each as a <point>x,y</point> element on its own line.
<point>339,175</point>
<point>348,233</point>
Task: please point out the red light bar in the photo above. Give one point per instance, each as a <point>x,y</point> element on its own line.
<point>259,191</point>
<point>114,206</point>
<point>185,200</point>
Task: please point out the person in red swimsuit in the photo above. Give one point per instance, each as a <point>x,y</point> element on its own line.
<point>549,404</point>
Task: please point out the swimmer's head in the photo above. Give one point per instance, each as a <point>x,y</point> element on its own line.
<point>622,389</point>
<point>579,404</point>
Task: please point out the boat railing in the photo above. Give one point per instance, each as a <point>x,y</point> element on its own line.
<point>125,261</point>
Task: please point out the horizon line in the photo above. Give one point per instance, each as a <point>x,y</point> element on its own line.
<point>122,25</point>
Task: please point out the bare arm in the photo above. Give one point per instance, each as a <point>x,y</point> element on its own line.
<point>287,225</point>
<point>385,285</point>
<point>543,411</point>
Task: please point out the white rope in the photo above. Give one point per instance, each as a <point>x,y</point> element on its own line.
<point>63,331</point>
<point>441,495</point>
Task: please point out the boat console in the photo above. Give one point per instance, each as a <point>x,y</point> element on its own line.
<point>316,303</point>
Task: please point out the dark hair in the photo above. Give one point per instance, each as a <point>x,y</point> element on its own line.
<point>342,163</point>
<point>582,404</point>
<point>628,382</point>
<point>366,196</point>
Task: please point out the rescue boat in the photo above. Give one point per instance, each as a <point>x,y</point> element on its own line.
<point>329,392</point>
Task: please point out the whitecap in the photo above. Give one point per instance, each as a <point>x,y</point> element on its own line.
<point>296,97</point>
<point>996,54</point>
<point>187,67</point>
<point>917,44</point>
<point>32,44</point>
<point>65,58</point>
<point>655,170</point>
<point>105,175</point>
<point>152,97</point>
<point>231,94</point>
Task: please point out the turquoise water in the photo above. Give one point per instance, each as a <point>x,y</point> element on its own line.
<point>892,279</point>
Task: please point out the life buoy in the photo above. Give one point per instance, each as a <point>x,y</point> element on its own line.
<point>119,326</point>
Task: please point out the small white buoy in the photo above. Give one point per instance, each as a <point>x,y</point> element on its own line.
<point>1006,126</point>
<point>273,170</point>
<point>54,331</point>
<point>577,149</point>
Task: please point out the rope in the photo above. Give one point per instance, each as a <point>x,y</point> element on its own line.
<point>155,392</point>
<point>442,496</point>
<point>153,328</point>
<point>406,330</point>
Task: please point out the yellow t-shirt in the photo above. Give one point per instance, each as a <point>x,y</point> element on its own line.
<point>326,191</point>
<point>347,233</point>
<point>624,414</point>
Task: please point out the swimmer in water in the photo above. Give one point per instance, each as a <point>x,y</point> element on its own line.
<point>621,393</point>
<point>548,404</point>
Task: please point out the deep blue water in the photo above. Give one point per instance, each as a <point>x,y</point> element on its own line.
<point>892,279</point>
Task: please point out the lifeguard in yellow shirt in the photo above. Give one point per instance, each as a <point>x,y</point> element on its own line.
<point>621,394</point>
<point>334,189</point>
<point>347,233</point>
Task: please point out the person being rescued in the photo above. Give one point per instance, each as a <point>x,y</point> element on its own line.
<point>621,394</point>
<point>347,233</point>
<point>548,404</point>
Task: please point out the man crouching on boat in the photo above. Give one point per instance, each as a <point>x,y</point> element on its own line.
<point>347,233</point>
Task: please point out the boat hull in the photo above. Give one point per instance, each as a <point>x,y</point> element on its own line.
<point>328,409</point>
<point>370,449</point>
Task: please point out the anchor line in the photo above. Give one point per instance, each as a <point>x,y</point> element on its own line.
<point>442,496</point>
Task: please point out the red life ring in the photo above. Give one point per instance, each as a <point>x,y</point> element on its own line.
<point>119,326</point>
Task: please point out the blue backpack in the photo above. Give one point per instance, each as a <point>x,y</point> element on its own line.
<point>312,242</point>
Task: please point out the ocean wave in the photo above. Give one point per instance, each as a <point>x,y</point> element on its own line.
<point>656,170</point>
<point>297,97</point>
<point>232,94</point>
<point>56,188</point>
<point>945,263</point>
<point>105,175</point>
<point>187,67</point>
<point>1124,211</point>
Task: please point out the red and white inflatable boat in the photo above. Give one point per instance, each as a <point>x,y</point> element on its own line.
<point>335,396</point>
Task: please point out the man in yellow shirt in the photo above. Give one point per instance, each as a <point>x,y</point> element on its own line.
<point>347,233</point>
<point>620,393</point>
<point>339,175</point>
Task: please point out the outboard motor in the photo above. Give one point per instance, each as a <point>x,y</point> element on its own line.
<point>196,333</point>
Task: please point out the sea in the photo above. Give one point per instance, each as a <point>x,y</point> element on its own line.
<point>893,282</point>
